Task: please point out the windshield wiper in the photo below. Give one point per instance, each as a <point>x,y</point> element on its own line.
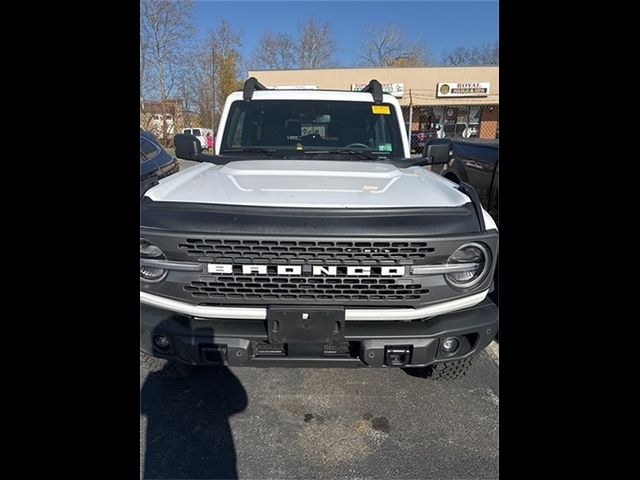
<point>284,154</point>
<point>398,162</point>
<point>353,153</point>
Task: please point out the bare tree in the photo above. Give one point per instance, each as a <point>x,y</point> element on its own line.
<point>458,56</point>
<point>486,54</point>
<point>144,83</point>
<point>188,93</point>
<point>275,51</point>
<point>316,44</point>
<point>226,44</point>
<point>195,85</point>
<point>164,30</point>
<point>387,46</point>
<point>219,54</point>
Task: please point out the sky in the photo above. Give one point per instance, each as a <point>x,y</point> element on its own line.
<point>442,25</point>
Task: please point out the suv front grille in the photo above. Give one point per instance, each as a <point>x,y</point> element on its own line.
<point>292,252</point>
<point>373,288</point>
<point>224,288</point>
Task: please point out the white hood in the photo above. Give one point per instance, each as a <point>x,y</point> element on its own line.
<point>308,184</point>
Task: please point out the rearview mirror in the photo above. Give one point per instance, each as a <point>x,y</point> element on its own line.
<point>437,151</point>
<point>187,146</point>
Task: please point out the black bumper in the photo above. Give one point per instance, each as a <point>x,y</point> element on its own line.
<point>365,343</point>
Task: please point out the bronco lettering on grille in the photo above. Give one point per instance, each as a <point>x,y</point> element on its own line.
<point>316,270</point>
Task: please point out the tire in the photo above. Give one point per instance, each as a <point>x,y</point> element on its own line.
<point>451,370</point>
<point>164,368</point>
<point>443,371</point>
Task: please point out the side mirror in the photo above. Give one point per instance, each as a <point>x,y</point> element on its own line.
<point>437,151</point>
<point>187,146</point>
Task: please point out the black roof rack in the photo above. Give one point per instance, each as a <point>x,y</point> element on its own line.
<point>251,85</point>
<point>375,88</point>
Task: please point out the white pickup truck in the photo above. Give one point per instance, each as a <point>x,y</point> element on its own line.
<point>311,238</point>
<point>200,134</point>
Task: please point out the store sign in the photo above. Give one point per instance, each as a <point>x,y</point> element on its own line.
<point>463,89</point>
<point>292,87</point>
<point>395,89</point>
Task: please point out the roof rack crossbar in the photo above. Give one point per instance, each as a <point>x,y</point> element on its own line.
<point>375,88</point>
<point>251,85</point>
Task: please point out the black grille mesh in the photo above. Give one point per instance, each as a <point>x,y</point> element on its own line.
<point>305,288</point>
<point>284,252</point>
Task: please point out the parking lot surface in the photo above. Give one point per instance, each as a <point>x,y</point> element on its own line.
<point>318,423</point>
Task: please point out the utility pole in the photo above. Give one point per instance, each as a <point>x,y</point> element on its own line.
<point>410,114</point>
<point>213,91</point>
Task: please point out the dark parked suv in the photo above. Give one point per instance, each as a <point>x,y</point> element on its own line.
<point>476,162</point>
<point>155,162</point>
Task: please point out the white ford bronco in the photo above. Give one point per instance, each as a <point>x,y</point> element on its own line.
<point>311,238</point>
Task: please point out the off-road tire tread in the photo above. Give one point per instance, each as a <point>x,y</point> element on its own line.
<point>450,370</point>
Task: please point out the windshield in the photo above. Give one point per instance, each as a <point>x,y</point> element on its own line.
<point>299,126</point>
<point>196,132</point>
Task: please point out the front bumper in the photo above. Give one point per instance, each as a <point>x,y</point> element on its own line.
<point>245,342</point>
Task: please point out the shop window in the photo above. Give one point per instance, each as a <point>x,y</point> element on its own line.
<point>458,121</point>
<point>474,121</point>
<point>451,121</point>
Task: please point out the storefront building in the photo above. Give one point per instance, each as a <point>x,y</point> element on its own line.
<point>452,101</point>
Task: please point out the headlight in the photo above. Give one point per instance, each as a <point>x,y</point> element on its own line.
<point>476,258</point>
<point>150,251</point>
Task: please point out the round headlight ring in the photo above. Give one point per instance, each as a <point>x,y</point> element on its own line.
<point>477,279</point>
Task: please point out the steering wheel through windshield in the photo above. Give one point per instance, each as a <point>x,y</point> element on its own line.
<point>351,145</point>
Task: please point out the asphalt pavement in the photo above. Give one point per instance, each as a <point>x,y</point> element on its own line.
<point>273,423</point>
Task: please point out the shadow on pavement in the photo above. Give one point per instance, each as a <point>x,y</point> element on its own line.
<point>187,411</point>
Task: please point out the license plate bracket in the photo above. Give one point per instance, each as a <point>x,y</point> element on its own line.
<point>305,325</point>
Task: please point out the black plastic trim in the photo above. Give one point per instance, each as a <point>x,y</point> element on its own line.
<point>375,88</point>
<point>472,193</point>
<point>190,334</point>
<point>169,265</point>
<point>251,85</point>
<point>250,220</point>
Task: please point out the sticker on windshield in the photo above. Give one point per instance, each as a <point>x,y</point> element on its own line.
<point>381,109</point>
<point>385,147</point>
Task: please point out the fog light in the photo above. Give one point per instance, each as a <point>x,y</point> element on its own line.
<point>161,342</point>
<point>450,345</point>
<point>151,273</point>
